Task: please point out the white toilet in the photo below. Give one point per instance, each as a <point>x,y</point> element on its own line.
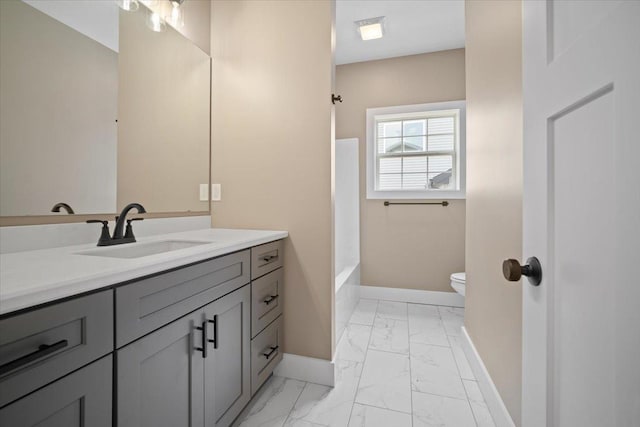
<point>458,282</point>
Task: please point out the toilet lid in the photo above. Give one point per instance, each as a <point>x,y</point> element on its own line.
<point>459,277</point>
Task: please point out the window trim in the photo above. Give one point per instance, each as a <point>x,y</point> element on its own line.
<point>401,110</point>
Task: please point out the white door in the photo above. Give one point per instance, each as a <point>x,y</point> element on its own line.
<point>581,336</point>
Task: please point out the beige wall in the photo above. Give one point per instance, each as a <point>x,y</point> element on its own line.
<point>163,118</point>
<point>494,190</point>
<point>57,113</point>
<point>272,149</point>
<point>416,247</point>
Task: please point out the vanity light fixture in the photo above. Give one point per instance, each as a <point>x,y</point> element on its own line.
<point>371,29</point>
<point>128,5</point>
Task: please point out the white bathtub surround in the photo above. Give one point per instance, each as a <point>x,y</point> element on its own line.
<point>34,237</point>
<point>417,296</point>
<point>362,384</point>
<point>488,389</point>
<point>35,277</point>
<point>347,297</point>
<point>346,231</point>
<point>318,371</point>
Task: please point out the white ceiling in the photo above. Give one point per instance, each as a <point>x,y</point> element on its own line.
<point>411,27</point>
<point>97,20</point>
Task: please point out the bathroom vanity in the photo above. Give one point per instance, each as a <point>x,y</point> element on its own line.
<point>101,337</point>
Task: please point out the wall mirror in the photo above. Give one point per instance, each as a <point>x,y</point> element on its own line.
<point>97,110</point>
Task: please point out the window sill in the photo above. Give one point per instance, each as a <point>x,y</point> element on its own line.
<point>415,195</point>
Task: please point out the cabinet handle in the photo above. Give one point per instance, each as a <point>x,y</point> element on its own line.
<point>270,353</point>
<point>271,299</point>
<point>269,258</point>
<point>215,330</point>
<point>42,351</point>
<point>205,339</point>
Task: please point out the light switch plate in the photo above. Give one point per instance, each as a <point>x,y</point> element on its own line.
<point>216,192</point>
<point>204,192</point>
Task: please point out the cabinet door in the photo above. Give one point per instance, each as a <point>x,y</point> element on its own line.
<point>227,373</point>
<point>160,377</point>
<point>82,398</point>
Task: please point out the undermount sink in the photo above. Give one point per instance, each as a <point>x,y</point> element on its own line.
<point>138,250</point>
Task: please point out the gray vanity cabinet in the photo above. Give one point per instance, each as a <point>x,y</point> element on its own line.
<point>227,367</point>
<point>194,371</point>
<point>160,377</point>
<point>82,398</point>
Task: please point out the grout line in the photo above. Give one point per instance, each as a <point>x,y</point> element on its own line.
<point>366,351</point>
<point>410,371</point>
<point>306,383</point>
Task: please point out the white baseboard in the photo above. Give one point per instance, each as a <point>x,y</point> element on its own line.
<point>451,299</point>
<point>310,369</point>
<point>496,406</point>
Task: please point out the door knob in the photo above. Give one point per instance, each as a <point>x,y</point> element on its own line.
<point>513,271</point>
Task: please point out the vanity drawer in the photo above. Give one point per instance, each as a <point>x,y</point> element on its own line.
<point>266,300</point>
<point>266,352</point>
<point>266,258</point>
<point>40,346</point>
<point>145,306</point>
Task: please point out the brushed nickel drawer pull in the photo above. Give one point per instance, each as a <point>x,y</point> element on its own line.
<point>42,351</point>
<point>270,353</point>
<point>271,299</point>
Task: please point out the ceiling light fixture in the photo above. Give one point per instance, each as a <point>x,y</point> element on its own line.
<point>371,29</point>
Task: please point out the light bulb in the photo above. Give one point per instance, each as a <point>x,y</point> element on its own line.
<point>128,5</point>
<point>155,22</point>
<point>176,17</point>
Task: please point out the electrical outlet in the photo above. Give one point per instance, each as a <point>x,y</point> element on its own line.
<point>204,192</point>
<point>216,192</point>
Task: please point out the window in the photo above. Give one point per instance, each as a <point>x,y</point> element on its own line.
<point>416,151</point>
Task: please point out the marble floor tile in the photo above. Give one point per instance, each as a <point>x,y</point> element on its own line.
<point>326,406</point>
<point>434,370</point>
<point>478,404</point>
<point>385,381</point>
<point>461,359</point>
<point>354,342</point>
<point>369,416</point>
<point>392,310</point>
<point>439,411</point>
<point>364,312</point>
<point>390,335</point>
<point>292,422</point>
<point>271,406</point>
<point>425,325</point>
<point>452,319</point>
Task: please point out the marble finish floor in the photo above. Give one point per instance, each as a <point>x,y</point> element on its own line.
<point>397,365</point>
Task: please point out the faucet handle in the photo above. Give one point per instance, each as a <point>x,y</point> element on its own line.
<point>105,236</point>
<point>129,232</point>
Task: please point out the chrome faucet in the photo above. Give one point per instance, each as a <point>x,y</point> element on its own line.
<point>118,238</point>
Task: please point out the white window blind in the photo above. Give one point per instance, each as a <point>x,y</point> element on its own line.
<point>417,151</point>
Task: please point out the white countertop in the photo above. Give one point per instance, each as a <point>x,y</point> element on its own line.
<point>35,277</point>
